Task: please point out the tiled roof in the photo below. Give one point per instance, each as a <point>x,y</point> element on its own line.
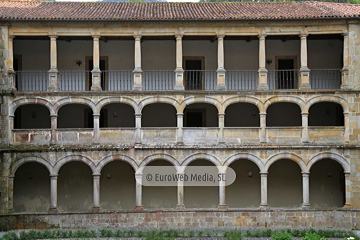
<point>130,11</point>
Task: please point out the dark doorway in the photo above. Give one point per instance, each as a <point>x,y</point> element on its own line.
<point>195,118</point>
<point>193,73</point>
<point>286,75</point>
<point>103,68</point>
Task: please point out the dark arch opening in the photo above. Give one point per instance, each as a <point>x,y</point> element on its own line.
<point>32,116</point>
<point>75,116</point>
<point>327,184</point>
<point>75,187</point>
<point>284,184</point>
<point>283,114</point>
<point>326,114</point>
<point>32,188</point>
<point>117,115</point>
<point>201,115</point>
<point>242,115</point>
<point>117,186</point>
<point>158,115</point>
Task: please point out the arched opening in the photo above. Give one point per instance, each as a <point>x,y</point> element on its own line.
<point>75,187</point>
<point>32,188</point>
<point>158,115</point>
<point>284,184</point>
<point>327,184</point>
<point>160,196</point>
<point>32,116</point>
<point>117,186</point>
<point>117,115</point>
<point>246,189</point>
<point>75,116</point>
<point>200,196</point>
<point>283,114</point>
<point>201,115</point>
<point>326,114</point>
<point>242,115</point>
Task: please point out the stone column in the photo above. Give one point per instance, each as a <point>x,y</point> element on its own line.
<point>264,203</point>
<point>11,194</point>
<point>96,73</point>
<point>137,71</point>
<point>180,190</point>
<point>304,70</point>
<point>53,129</point>
<point>138,180</point>
<point>221,127</point>
<point>262,132</point>
<point>96,181</point>
<point>345,69</point>
<point>96,129</point>
<point>138,128</point>
<point>305,128</point>
<point>53,193</point>
<point>11,127</point>
<point>180,132</point>
<point>222,190</point>
<point>347,127</point>
<point>10,65</point>
<point>220,72</point>
<point>262,79</point>
<point>179,71</point>
<point>53,72</point>
<point>347,190</point>
<point>306,189</point>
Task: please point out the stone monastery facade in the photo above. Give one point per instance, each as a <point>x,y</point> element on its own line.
<point>91,93</point>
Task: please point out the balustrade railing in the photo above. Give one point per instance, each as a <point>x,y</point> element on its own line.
<point>159,80</point>
<point>73,80</point>
<point>200,79</point>
<point>32,81</point>
<point>325,78</point>
<point>241,79</point>
<point>283,79</point>
<point>119,80</point>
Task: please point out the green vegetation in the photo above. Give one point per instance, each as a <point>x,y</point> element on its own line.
<point>168,234</point>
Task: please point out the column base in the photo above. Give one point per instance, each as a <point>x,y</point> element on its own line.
<point>53,209</point>
<point>179,87</point>
<point>305,206</point>
<point>96,89</point>
<point>221,87</point>
<point>305,140</point>
<point>96,209</point>
<point>137,88</point>
<point>264,207</point>
<point>222,206</point>
<point>139,208</point>
<point>262,87</point>
<point>305,87</point>
<point>347,205</point>
<point>180,207</point>
<point>53,89</point>
<point>181,143</point>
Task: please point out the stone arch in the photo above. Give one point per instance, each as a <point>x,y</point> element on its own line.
<point>246,156</point>
<point>30,100</point>
<point>157,156</point>
<point>65,101</point>
<point>285,155</point>
<point>115,157</point>
<point>243,99</point>
<point>327,98</point>
<point>109,100</point>
<point>204,156</point>
<point>277,99</point>
<point>74,158</point>
<point>329,155</point>
<point>206,99</point>
<point>15,165</point>
<point>160,99</point>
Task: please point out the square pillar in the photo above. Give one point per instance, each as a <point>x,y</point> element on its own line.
<point>306,189</point>
<point>179,71</point>
<point>96,129</point>
<point>262,131</point>
<point>305,128</point>
<point>137,71</point>
<point>264,203</point>
<point>96,73</point>
<point>53,72</point>
<point>11,194</point>
<point>347,127</point>
<point>53,129</point>
<point>347,190</point>
<point>137,128</point>
<point>221,127</point>
<point>10,63</point>
<point>222,189</point>
<point>220,72</point>
<point>345,69</point>
<point>262,78</point>
<point>180,190</point>
<point>180,132</point>
<point>96,192</point>
<point>304,70</point>
<point>138,180</point>
<point>53,193</point>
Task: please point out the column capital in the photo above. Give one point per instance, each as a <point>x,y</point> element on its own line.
<point>304,114</point>
<point>53,37</point>
<point>54,176</point>
<point>137,37</point>
<point>11,177</point>
<point>138,115</point>
<point>220,36</point>
<point>347,174</point>
<point>263,174</point>
<point>345,34</point>
<point>96,115</point>
<point>262,114</point>
<point>96,175</point>
<point>303,35</point>
<point>11,37</point>
<point>180,114</point>
<point>305,174</point>
<point>179,36</point>
<point>53,116</point>
<point>96,37</point>
<point>262,36</point>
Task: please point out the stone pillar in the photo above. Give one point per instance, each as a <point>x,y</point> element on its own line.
<point>262,132</point>
<point>96,73</point>
<point>220,72</point>
<point>10,65</point>
<point>262,79</point>
<point>138,180</point>
<point>11,194</point>
<point>222,190</point>
<point>221,127</point>
<point>137,71</point>
<point>179,71</point>
<point>96,129</point>
<point>96,181</point>
<point>53,193</point>
<point>347,127</point>
<point>53,72</point>
<point>345,69</point>
<point>11,127</point>
<point>264,203</point>
<point>306,189</point>
<point>180,190</point>
<point>180,132</point>
<point>347,190</point>
<point>304,70</point>
<point>53,129</point>
<point>138,128</point>
<point>305,128</point>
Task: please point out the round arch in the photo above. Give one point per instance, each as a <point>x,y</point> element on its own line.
<point>243,99</point>
<point>15,165</point>
<point>208,100</point>
<point>278,99</point>
<point>246,156</point>
<point>202,156</point>
<point>74,158</point>
<point>329,155</point>
<point>110,100</point>
<point>65,101</point>
<point>162,99</point>
<point>327,98</point>
<point>115,157</point>
<point>157,156</point>
<point>290,156</point>
<point>32,100</point>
